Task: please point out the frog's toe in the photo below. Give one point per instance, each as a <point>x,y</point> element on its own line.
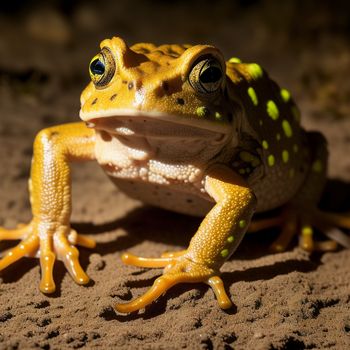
<point>81,240</point>
<point>173,254</point>
<point>18,233</point>
<point>179,270</point>
<point>70,257</point>
<point>333,219</point>
<point>289,229</point>
<point>134,260</point>
<point>27,247</point>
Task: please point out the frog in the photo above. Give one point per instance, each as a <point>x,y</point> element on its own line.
<point>181,128</point>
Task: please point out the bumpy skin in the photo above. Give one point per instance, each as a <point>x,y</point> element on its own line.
<point>178,127</point>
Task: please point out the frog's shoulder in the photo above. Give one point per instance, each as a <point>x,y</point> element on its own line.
<point>255,88</point>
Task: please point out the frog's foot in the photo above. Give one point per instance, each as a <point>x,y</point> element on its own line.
<point>43,241</point>
<point>294,222</point>
<point>177,269</point>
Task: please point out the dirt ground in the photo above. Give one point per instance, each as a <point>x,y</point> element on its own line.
<point>285,301</point>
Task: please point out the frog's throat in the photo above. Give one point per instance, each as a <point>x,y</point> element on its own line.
<point>132,114</point>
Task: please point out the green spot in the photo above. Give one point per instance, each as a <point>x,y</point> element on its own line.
<point>246,156</point>
<point>307,231</point>
<point>260,122</point>
<point>242,223</point>
<point>271,160</point>
<point>241,171</point>
<point>230,239</point>
<point>287,128</point>
<point>317,166</point>
<point>278,136</point>
<point>285,156</point>
<point>295,148</point>
<point>218,116</point>
<point>234,60</point>
<point>285,95</point>
<point>255,70</point>
<point>252,95</point>
<point>265,144</point>
<point>272,110</point>
<point>224,253</point>
<point>202,111</point>
<point>296,113</point>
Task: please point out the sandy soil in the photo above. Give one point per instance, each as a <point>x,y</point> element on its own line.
<point>282,301</point>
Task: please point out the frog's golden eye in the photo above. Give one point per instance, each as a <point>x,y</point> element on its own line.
<point>206,76</point>
<point>102,68</point>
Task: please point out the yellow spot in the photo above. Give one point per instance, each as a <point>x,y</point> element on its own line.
<point>260,122</point>
<point>230,239</point>
<point>224,253</point>
<point>265,144</point>
<point>272,110</point>
<point>296,113</point>
<point>255,70</point>
<point>295,148</point>
<point>271,160</point>
<point>287,128</point>
<point>285,95</point>
<point>317,166</point>
<point>242,223</point>
<point>202,111</point>
<point>285,156</point>
<point>252,95</point>
<point>278,136</point>
<point>218,116</point>
<point>307,231</point>
<point>234,60</point>
<point>291,172</point>
<point>241,171</point>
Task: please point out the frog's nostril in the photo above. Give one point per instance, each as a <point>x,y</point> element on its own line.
<point>112,98</point>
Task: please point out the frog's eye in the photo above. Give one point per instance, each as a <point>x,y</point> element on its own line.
<point>206,75</point>
<point>102,68</point>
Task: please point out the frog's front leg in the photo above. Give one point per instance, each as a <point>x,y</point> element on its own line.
<point>49,234</point>
<point>218,236</point>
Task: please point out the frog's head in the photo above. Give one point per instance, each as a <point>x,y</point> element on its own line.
<point>173,87</point>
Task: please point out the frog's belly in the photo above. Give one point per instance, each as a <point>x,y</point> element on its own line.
<point>163,197</point>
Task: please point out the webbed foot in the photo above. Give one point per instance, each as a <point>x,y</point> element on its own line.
<point>47,241</point>
<point>177,269</point>
<point>294,222</point>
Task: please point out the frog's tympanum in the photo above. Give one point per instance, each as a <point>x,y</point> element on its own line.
<point>179,127</point>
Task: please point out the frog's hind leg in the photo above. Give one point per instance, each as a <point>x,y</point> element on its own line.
<point>301,215</point>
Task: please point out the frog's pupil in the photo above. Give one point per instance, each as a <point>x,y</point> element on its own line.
<point>211,75</point>
<point>97,67</point>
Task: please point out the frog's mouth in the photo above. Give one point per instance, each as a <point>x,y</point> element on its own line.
<point>155,125</point>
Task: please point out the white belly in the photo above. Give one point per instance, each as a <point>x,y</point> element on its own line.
<point>165,197</point>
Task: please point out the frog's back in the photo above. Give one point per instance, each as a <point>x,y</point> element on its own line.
<point>271,132</point>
